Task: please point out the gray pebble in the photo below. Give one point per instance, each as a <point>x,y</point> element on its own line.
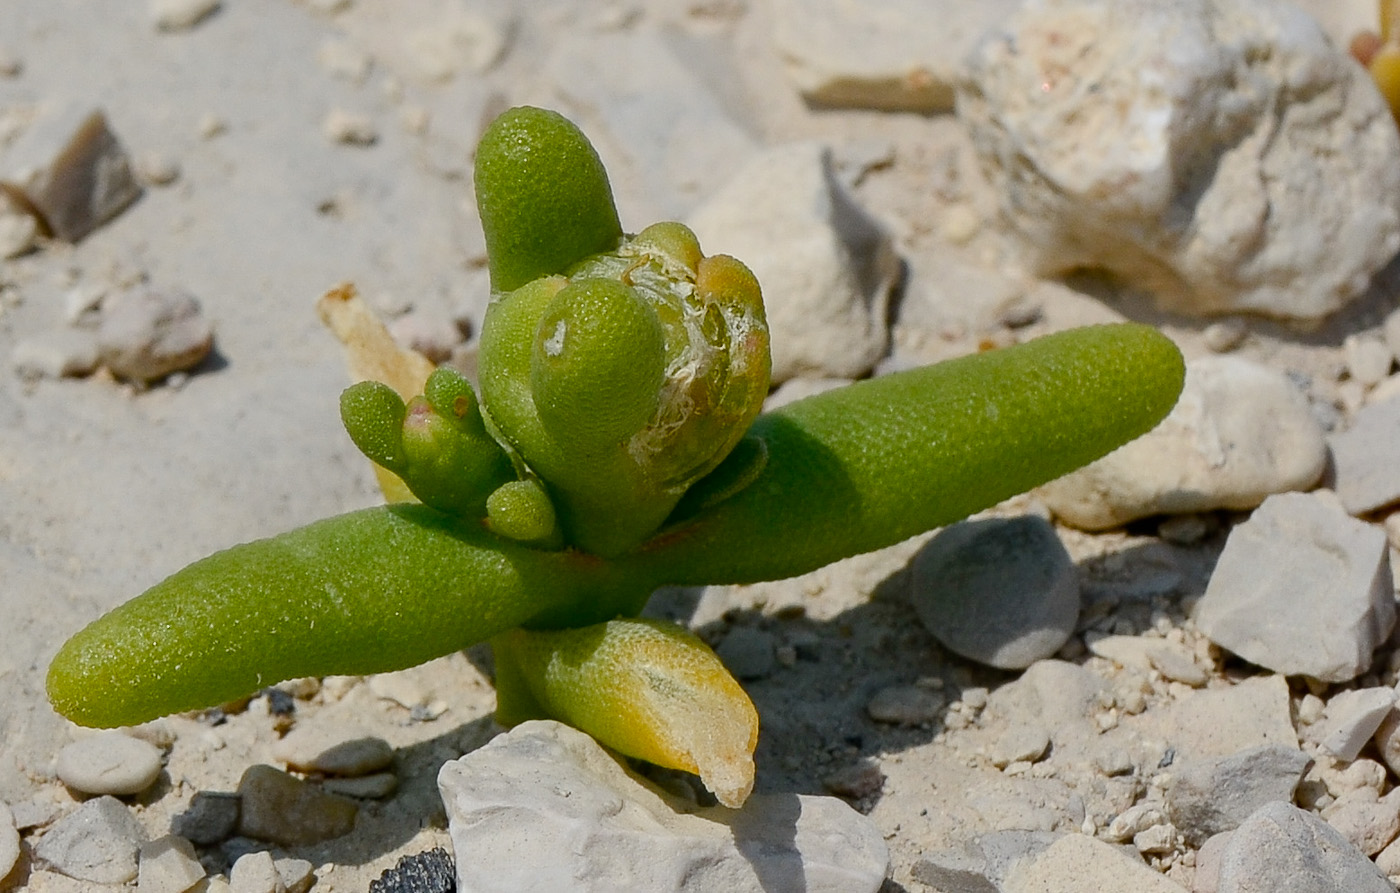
<point>279,808</point>
<point>1363,458</point>
<point>212,817</point>
<point>109,763</point>
<point>748,652</point>
<point>96,842</point>
<point>905,705</point>
<point>1001,591</point>
<point>1211,795</point>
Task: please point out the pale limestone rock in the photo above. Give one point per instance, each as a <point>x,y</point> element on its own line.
<point>1282,849</point>
<point>1079,864</point>
<point>1352,718</point>
<point>1301,588</point>
<point>825,265</point>
<point>897,55</point>
<point>543,807</point>
<point>1261,172</point>
<point>1238,433</point>
<point>167,865</point>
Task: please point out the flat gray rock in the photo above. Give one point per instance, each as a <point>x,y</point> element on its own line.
<point>1000,591</point>
<point>544,807</point>
<point>1363,458</point>
<point>98,842</point>
<point>1283,849</point>
<point>1301,588</point>
<point>1215,794</point>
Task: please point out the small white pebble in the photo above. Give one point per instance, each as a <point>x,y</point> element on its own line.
<point>19,234</point>
<point>343,59</point>
<point>349,129</point>
<point>167,865</point>
<point>255,873</point>
<point>210,125</point>
<point>109,763</point>
<point>1368,358</point>
<point>1224,336</point>
<point>157,169</point>
<point>11,66</point>
<point>180,15</point>
<point>976,698</point>
<point>960,224</point>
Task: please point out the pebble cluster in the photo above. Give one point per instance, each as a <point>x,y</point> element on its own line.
<point>1174,670</point>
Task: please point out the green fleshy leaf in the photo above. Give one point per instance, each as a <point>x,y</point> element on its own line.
<point>544,197</point>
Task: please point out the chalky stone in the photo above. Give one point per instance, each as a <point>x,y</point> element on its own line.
<point>168,865</point>
<point>1001,591</point>
<point>109,763</point>
<point>544,807</point>
<point>1302,589</point>
<point>98,842</point>
<point>9,841</point>
<point>1283,849</point>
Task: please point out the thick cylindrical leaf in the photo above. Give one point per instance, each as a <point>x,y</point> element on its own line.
<point>375,590</point>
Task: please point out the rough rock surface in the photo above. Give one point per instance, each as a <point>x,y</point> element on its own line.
<point>1260,176</point>
<point>826,266</point>
<point>1239,432</point>
<point>1283,849</point>
<point>1001,591</point>
<point>98,842</point>
<point>564,814</point>
<point>1363,458</point>
<point>1079,864</point>
<point>1303,589</point>
<point>1215,794</point>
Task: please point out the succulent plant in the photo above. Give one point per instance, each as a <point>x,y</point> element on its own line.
<point>617,447</point>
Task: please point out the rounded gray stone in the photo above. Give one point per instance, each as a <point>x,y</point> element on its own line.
<point>1000,591</point>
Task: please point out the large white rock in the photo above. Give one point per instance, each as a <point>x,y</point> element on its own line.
<point>1220,153</point>
<point>544,807</point>
<point>1301,588</point>
<point>896,55</point>
<point>825,265</point>
<point>1239,432</point>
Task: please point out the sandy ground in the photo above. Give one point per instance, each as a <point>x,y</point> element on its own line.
<point>105,488</point>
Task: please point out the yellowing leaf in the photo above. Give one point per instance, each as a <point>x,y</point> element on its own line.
<point>645,688</point>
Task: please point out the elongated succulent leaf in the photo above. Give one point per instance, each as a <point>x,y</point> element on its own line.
<point>380,589</point>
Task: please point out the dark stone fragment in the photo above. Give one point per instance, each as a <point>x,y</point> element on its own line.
<point>427,872</point>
